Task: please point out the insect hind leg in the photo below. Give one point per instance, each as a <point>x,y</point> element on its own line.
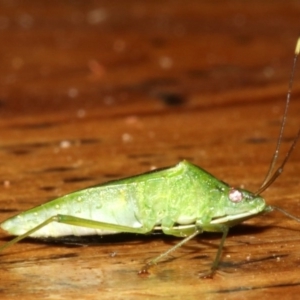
<point>71,220</point>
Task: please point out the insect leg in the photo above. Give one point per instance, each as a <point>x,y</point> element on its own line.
<point>155,260</point>
<point>196,230</point>
<point>220,228</point>
<point>71,220</point>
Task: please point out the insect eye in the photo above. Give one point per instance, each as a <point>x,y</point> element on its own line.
<point>235,195</point>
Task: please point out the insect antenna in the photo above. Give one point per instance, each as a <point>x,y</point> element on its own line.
<point>272,176</point>
<point>279,170</point>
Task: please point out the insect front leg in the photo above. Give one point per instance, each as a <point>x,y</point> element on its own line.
<point>190,232</point>
<point>216,228</point>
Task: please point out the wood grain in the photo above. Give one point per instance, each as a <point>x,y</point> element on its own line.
<point>93,91</point>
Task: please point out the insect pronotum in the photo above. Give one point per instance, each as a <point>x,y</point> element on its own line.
<point>183,200</point>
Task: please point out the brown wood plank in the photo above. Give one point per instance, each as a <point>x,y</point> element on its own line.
<point>93,91</point>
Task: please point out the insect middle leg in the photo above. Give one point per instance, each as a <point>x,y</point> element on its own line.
<point>155,260</point>
<point>192,232</point>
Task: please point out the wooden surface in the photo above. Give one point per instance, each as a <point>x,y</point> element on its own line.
<point>97,90</point>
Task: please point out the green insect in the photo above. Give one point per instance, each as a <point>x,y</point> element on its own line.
<point>182,201</point>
